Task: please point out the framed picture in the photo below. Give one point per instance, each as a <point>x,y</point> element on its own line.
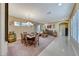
<point>49,26</point>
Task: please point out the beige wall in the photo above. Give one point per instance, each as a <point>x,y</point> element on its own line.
<point>76,7</point>
<point>57,26</point>
<point>17,29</point>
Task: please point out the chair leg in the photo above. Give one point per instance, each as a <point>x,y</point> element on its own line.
<point>26,44</point>
<point>34,45</point>
<point>22,41</point>
<point>38,43</point>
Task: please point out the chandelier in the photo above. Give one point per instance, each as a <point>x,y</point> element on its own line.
<point>28,21</point>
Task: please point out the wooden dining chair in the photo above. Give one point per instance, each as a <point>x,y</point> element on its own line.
<point>36,41</point>
<point>38,38</point>
<point>24,39</point>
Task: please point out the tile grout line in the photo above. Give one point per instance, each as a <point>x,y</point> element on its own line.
<point>74,49</point>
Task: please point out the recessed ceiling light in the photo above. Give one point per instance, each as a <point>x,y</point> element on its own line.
<point>59,4</point>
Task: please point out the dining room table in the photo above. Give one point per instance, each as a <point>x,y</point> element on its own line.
<point>30,38</point>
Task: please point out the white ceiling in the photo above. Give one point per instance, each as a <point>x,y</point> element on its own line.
<point>41,12</point>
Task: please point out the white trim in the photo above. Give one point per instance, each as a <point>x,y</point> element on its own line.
<point>2,40</point>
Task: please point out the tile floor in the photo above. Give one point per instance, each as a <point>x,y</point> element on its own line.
<point>18,49</point>
<point>59,47</point>
<point>49,46</point>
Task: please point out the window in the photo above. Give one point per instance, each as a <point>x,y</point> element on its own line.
<point>17,24</point>
<point>23,24</point>
<point>75,27</point>
<point>78,25</point>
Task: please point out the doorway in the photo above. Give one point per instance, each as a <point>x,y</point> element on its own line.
<point>63,28</point>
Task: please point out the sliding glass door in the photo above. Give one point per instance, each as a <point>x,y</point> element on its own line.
<point>78,26</point>
<point>75,27</point>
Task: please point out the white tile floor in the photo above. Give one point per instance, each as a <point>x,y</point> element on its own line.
<point>18,49</point>
<point>59,47</point>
